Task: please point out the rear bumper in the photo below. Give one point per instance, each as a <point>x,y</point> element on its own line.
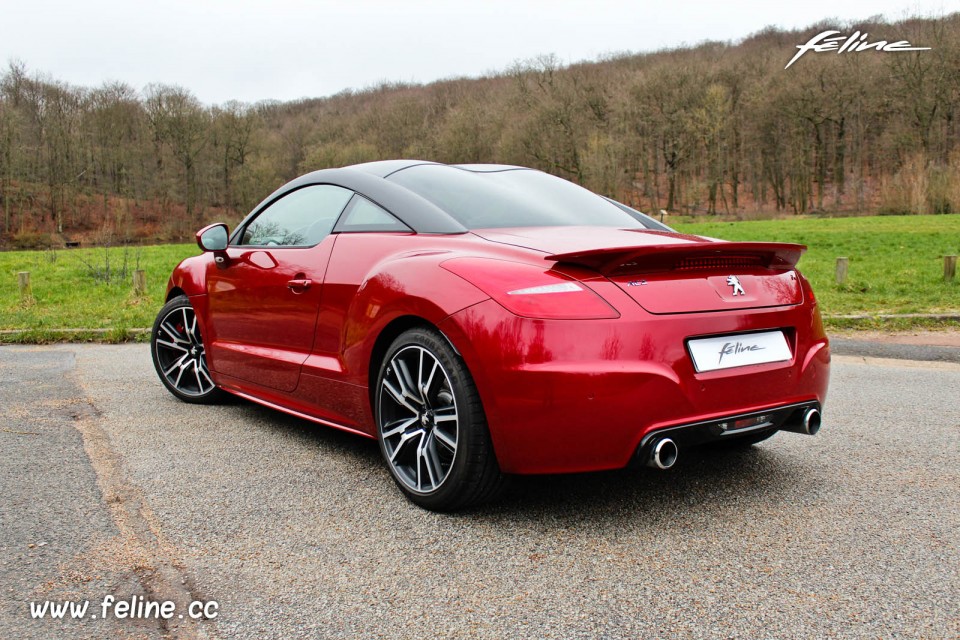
<point>789,417</point>
<point>569,395</point>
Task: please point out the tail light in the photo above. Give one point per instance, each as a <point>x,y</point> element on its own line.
<point>530,291</point>
<point>808,288</point>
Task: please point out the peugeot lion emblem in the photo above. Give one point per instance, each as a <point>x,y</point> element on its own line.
<point>734,282</point>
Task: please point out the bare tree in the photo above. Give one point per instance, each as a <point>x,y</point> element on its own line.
<point>180,121</point>
<point>233,126</point>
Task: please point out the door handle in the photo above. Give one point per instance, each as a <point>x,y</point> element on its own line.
<point>300,285</point>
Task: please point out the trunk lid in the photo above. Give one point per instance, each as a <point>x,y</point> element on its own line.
<point>672,273</point>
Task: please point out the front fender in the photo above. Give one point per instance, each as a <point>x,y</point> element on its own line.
<point>190,276</point>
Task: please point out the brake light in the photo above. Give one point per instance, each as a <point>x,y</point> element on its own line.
<point>530,291</point>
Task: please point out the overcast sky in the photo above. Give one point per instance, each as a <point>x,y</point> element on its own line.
<point>288,49</point>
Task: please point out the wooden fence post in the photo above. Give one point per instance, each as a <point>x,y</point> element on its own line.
<point>842,264</point>
<point>139,282</point>
<point>23,282</point>
<point>949,267</point>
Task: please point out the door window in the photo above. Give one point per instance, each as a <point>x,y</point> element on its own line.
<point>301,218</point>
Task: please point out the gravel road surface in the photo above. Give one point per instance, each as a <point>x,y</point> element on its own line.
<point>296,531</point>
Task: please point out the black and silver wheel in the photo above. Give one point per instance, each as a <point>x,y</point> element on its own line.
<point>179,354</point>
<point>431,426</point>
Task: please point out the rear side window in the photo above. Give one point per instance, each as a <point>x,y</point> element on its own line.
<point>363,215</point>
<point>302,218</point>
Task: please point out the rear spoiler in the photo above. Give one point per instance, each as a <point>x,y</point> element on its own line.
<point>686,256</point>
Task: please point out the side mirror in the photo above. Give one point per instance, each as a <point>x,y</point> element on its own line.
<point>213,237</point>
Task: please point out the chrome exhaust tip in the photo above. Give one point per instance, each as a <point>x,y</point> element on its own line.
<point>808,423</point>
<point>663,455</point>
<point>811,422</point>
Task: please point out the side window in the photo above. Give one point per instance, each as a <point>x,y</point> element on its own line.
<point>301,218</point>
<point>363,215</point>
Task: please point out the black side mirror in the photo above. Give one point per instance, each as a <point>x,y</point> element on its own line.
<point>213,237</point>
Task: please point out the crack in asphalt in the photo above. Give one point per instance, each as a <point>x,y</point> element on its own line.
<point>140,544</point>
<point>74,526</point>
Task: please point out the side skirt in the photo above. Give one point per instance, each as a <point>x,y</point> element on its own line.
<point>298,414</point>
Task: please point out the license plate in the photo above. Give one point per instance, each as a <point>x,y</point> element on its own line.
<point>727,352</point>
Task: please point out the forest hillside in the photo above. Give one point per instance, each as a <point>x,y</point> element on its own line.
<point>713,129</point>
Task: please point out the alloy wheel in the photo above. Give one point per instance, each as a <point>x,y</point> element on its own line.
<point>180,353</point>
<point>418,420</point>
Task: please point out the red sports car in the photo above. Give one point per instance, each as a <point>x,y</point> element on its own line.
<point>487,320</point>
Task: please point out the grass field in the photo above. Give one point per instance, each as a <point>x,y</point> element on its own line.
<point>66,293</point>
<point>896,262</point>
<point>896,266</point>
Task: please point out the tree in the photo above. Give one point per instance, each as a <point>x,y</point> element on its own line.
<point>233,126</point>
<point>9,129</point>
<point>179,121</point>
<point>668,98</point>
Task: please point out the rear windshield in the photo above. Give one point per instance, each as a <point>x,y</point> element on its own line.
<point>515,198</point>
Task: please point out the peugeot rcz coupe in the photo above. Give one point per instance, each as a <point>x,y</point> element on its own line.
<point>480,321</point>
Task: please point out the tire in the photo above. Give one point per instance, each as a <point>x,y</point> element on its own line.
<point>179,354</point>
<point>431,426</point>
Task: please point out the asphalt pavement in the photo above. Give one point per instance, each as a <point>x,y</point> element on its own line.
<point>297,531</point>
<point>892,349</point>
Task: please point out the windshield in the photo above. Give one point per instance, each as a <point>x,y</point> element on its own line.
<point>515,198</point>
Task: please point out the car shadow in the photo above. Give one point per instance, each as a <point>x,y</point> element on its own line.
<point>703,479</point>
<point>363,451</point>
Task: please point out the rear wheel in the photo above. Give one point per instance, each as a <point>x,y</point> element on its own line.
<point>431,427</point>
<point>179,355</point>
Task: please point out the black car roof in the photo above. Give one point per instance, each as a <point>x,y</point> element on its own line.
<point>383,168</point>
<point>367,179</point>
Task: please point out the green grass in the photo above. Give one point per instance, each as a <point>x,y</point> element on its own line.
<point>896,262</point>
<point>896,266</point>
<point>66,295</point>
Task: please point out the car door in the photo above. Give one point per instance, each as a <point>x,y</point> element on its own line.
<point>264,297</point>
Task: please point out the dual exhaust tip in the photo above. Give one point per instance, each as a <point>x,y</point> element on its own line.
<point>664,452</point>
<point>809,425</point>
<point>811,422</point>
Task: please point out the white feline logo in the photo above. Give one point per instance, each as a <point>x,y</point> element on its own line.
<point>827,41</point>
<point>734,282</point>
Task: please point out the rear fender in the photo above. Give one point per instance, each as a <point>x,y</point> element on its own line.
<point>415,287</point>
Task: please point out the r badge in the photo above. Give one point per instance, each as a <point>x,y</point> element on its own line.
<point>734,282</point>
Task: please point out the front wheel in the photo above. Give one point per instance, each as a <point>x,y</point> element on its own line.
<point>431,426</point>
<point>179,355</point>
